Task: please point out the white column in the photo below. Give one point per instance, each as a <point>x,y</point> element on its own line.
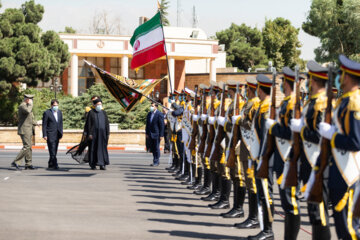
<point>125,66</point>
<point>212,70</point>
<point>74,75</point>
<point>172,73</point>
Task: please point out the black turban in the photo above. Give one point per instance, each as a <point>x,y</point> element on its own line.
<point>97,101</point>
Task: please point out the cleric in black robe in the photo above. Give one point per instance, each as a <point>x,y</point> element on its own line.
<point>97,131</point>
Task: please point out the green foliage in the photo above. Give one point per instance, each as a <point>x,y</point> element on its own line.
<point>69,30</point>
<point>74,110</point>
<point>281,43</point>
<point>243,46</point>
<point>164,5</point>
<point>26,55</point>
<point>337,24</point>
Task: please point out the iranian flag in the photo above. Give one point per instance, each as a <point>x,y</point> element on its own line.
<point>148,42</point>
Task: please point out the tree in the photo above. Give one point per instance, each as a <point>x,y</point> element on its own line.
<point>69,30</point>
<point>26,56</point>
<point>243,46</point>
<point>281,42</point>
<point>163,7</point>
<point>337,24</point>
<point>102,23</point>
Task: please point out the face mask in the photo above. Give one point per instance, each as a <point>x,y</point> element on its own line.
<point>152,109</point>
<point>55,108</point>
<point>98,108</point>
<point>337,81</point>
<point>282,87</point>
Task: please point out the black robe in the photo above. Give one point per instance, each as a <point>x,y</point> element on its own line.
<point>97,126</point>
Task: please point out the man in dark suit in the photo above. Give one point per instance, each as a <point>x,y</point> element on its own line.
<point>155,131</point>
<point>52,127</point>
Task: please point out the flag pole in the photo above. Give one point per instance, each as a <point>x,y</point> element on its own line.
<point>167,59</point>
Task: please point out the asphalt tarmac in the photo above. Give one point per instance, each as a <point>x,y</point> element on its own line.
<point>130,200</point>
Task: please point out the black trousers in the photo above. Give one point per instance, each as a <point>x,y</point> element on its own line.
<point>166,139</point>
<point>53,147</point>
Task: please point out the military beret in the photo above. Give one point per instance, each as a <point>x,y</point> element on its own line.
<point>188,91</point>
<point>28,96</point>
<point>348,66</point>
<point>232,84</point>
<point>222,86</point>
<point>251,82</point>
<point>317,70</point>
<point>264,81</point>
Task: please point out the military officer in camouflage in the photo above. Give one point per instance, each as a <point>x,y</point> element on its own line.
<point>26,130</point>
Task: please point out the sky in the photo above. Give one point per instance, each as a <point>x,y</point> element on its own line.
<point>213,15</point>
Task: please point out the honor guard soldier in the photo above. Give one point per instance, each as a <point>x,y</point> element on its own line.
<point>244,121</point>
<point>344,136</point>
<point>308,127</point>
<point>280,129</point>
<point>211,103</point>
<point>264,186</point>
<point>218,151</point>
<point>174,105</point>
<point>216,185</point>
<point>232,162</point>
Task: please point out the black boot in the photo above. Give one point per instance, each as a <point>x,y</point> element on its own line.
<point>173,166</point>
<point>292,226</point>
<point>190,180</point>
<point>185,177</point>
<point>252,220</point>
<point>215,194</point>
<point>267,233</point>
<point>223,202</point>
<point>197,183</point>
<point>205,189</point>
<point>320,232</point>
<point>180,168</point>
<point>239,197</point>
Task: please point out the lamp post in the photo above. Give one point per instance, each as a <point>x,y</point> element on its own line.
<point>56,87</point>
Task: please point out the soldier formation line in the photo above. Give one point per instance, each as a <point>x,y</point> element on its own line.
<point>230,135</point>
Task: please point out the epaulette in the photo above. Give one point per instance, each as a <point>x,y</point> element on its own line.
<point>87,109</point>
<point>216,103</point>
<point>320,104</point>
<point>228,101</point>
<point>291,103</point>
<point>241,104</point>
<point>264,105</point>
<point>354,101</point>
<point>208,101</point>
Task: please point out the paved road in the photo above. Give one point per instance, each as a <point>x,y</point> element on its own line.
<point>130,200</point>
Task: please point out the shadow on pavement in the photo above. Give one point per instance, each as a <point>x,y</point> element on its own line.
<point>157,191</point>
<point>67,175</point>
<point>173,204</point>
<point>164,197</point>
<point>172,212</point>
<point>189,234</point>
<point>192,223</point>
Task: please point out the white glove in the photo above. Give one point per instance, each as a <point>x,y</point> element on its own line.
<point>203,117</point>
<point>326,130</point>
<point>234,118</point>
<point>211,120</point>
<point>296,124</point>
<point>269,122</point>
<point>221,120</point>
<point>195,117</point>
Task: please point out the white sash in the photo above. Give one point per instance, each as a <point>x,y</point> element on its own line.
<point>347,162</point>
<point>251,141</point>
<point>284,147</point>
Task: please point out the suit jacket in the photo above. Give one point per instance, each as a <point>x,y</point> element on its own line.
<point>51,129</point>
<point>26,119</point>
<point>155,128</point>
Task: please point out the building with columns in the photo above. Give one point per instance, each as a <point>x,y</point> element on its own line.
<point>189,51</point>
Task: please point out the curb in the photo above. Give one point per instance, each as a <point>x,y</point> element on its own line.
<point>67,147</point>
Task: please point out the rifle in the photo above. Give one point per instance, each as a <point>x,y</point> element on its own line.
<point>195,127</point>
<point>202,141</point>
<point>216,149</point>
<point>263,168</point>
<point>315,188</point>
<point>235,134</point>
<point>356,203</point>
<point>291,178</point>
<point>211,130</point>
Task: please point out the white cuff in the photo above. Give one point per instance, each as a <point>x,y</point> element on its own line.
<point>195,117</point>
<point>211,120</point>
<point>203,117</point>
<point>234,118</point>
<point>296,125</point>
<point>221,120</point>
<point>326,130</point>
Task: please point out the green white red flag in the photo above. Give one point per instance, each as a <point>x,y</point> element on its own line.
<point>148,42</point>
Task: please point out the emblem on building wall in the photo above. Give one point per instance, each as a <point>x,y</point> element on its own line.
<point>100,44</point>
